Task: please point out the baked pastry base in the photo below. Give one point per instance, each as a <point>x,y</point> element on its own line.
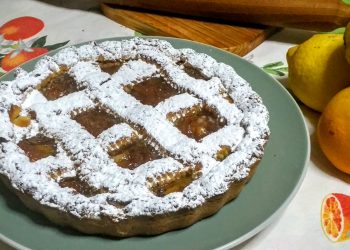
<point>142,225</point>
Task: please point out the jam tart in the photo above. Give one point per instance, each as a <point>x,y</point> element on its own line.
<point>129,137</point>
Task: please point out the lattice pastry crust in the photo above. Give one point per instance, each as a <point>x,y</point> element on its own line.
<point>129,137</point>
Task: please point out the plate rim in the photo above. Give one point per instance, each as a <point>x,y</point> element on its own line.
<point>270,219</point>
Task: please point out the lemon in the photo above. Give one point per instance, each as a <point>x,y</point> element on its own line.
<point>333,130</point>
<point>318,69</point>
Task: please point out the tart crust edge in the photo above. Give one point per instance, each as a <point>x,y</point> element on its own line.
<point>132,226</point>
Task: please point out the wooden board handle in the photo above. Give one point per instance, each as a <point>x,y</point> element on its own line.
<point>309,14</point>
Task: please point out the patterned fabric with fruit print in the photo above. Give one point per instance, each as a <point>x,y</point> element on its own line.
<point>17,45</point>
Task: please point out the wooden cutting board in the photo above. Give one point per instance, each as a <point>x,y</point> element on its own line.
<point>236,39</point>
<point>307,14</point>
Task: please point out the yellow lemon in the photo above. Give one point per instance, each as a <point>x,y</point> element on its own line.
<point>333,130</point>
<point>318,69</point>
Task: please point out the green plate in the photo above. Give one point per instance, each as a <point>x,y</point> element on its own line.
<point>276,181</point>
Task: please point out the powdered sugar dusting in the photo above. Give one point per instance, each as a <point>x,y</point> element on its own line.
<point>81,155</point>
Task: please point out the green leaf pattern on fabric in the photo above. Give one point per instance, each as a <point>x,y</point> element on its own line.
<point>275,68</point>
<point>55,46</point>
<point>39,43</point>
<point>138,34</point>
<point>339,31</point>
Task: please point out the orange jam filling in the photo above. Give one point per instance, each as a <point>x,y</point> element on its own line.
<point>109,66</point>
<point>96,120</point>
<point>58,84</point>
<point>194,72</point>
<point>151,91</point>
<point>174,182</point>
<point>17,119</point>
<point>223,153</point>
<point>80,187</point>
<point>135,154</point>
<point>200,124</point>
<point>38,147</point>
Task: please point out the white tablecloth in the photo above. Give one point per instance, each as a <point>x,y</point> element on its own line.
<point>299,226</point>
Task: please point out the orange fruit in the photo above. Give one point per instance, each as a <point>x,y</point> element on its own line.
<point>21,28</point>
<point>8,62</point>
<point>333,130</point>
<point>335,217</point>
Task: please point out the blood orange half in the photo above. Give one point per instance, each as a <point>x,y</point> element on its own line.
<point>335,217</point>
